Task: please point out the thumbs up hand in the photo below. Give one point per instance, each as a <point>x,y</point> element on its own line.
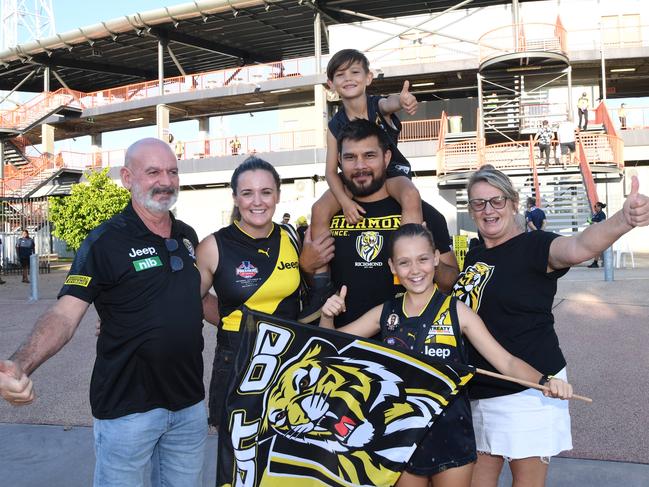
<point>636,206</point>
<point>407,100</point>
<point>335,305</point>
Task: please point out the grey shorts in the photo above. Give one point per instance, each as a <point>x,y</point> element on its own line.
<point>567,147</point>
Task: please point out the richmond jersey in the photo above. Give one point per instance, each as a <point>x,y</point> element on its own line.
<point>260,273</point>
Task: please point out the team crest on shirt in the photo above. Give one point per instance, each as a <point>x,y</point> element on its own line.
<point>368,247</point>
<point>247,270</point>
<point>190,248</point>
<point>469,287</point>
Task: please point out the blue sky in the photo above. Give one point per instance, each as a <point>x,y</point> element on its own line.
<point>70,14</point>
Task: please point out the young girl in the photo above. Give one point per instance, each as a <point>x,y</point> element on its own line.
<point>425,320</point>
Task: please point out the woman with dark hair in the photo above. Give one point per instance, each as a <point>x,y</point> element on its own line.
<point>252,262</point>
<point>510,281</point>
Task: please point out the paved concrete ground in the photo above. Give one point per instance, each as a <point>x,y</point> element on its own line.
<point>603,328</point>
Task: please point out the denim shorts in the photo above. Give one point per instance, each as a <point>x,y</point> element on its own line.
<point>175,440</point>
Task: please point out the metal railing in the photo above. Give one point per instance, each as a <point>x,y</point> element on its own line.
<point>18,179</point>
<point>471,154</point>
<point>587,175</point>
<point>38,108</point>
<point>522,38</point>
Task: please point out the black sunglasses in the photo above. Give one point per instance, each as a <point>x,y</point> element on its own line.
<point>175,261</point>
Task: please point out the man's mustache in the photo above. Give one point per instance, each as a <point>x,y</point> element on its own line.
<point>169,190</point>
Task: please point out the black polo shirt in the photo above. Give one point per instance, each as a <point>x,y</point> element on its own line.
<point>149,351</point>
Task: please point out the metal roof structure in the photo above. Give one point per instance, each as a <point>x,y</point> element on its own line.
<point>202,36</point>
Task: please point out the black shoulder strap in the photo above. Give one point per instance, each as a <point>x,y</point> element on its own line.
<point>293,237</point>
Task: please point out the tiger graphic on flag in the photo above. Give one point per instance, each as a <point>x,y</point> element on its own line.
<point>310,407</point>
<point>346,406</point>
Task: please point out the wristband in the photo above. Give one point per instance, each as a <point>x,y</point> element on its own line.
<point>545,379</point>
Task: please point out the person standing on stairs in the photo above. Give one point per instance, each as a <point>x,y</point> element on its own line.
<point>534,217</point>
<point>566,136</point>
<point>545,135</point>
<point>582,109</point>
<point>597,216</point>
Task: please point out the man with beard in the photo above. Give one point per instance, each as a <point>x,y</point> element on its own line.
<point>361,256</point>
<point>146,391</point>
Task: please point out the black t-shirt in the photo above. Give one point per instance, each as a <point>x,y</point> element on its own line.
<point>149,351</point>
<point>399,165</point>
<point>362,251</point>
<point>510,288</point>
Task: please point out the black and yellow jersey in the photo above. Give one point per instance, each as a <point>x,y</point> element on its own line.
<point>260,273</point>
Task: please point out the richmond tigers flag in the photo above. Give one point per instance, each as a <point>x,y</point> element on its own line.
<point>309,406</point>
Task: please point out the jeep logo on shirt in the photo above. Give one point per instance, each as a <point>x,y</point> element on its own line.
<point>141,252</point>
<point>287,265</point>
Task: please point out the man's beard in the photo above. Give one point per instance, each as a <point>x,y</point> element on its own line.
<point>146,198</point>
<point>370,188</point>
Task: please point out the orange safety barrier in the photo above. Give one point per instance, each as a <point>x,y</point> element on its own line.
<point>603,148</point>
<point>603,116</point>
<point>587,175</point>
<point>37,108</point>
<point>420,130</point>
<point>508,155</point>
<point>535,173</point>
<point>458,157</point>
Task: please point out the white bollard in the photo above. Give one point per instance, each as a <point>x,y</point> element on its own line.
<point>33,277</point>
<point>608,264</point>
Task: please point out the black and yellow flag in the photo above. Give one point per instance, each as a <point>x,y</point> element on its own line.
<point>313,407</point>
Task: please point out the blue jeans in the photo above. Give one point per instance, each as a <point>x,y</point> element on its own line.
<point>124,448</point>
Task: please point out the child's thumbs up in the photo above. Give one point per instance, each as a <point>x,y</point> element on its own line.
<point>407,100</point>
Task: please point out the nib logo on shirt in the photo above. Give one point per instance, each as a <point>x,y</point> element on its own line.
<point>148,263</point>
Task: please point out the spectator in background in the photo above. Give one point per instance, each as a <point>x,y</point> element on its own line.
<point>286,218</point>
<point>582,109</point>
<point>534,217</point>
<point>621,115</point>
<point>545,135</point>
<point>301,226</point>
<point>566,136</point>
<point>25,248</point>
<point>597,216</point>
<point>179,149</point>
<point>235,146</point>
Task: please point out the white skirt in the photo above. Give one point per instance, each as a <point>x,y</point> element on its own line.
<point>522,425</point>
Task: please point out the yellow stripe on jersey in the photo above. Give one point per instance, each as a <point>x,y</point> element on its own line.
<point>282,282</point>
<point>443,322</point>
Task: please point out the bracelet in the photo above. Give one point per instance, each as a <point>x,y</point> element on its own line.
<point>545,379</point>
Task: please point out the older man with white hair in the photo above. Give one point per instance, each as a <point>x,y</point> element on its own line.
<point>146,391</point>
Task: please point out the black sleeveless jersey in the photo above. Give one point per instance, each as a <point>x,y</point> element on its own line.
<point>260,273</point>
<point>434,333</point>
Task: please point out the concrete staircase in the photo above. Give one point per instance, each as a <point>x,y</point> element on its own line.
<point>563,199</point>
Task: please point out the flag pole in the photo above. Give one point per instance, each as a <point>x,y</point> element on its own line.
<point>526,383</point>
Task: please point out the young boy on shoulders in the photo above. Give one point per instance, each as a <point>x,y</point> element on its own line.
<point>348,74</point>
